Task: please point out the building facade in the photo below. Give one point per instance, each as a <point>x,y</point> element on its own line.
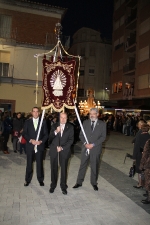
<point>26,29</point>
<point>130,76</point>
<point>95,63</point>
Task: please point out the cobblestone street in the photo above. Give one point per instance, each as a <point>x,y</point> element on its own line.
<point>115,203</point>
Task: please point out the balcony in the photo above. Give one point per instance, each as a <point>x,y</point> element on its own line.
<point>129,69</point>
<point>130,22</point>
<point>118,46</point>
<point>11,38</point>
<point>131,3</point>
<point>130,44</point>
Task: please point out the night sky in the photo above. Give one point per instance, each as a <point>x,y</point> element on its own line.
<point>95,14</point>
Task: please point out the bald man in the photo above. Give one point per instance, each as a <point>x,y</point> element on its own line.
<point>61,138</point>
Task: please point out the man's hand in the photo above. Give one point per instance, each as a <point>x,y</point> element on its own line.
<point>0,132</point>
<point>33,142</point>
<point>58,129</point>
<point>38,142</point>
<point>59,148</point>
<point>89,146</point>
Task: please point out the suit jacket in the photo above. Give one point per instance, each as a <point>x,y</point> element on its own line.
<point>30,133</point>
<point>65,141</point>
<point>96,137</point>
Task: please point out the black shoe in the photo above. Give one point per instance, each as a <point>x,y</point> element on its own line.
<point>26,184</point>
<point>64,191</point>
<point>15,151</point>
<point>41,183</point>
<point>145,195</point>
<point>95,187</point>
<point>51,190</point>
<point>145,201</point>
<point>138,187</point>
<point>77,185</point>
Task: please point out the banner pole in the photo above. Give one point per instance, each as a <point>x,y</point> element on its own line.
<point>81,127</point>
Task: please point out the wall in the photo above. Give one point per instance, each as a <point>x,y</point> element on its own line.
<point>24,96</point>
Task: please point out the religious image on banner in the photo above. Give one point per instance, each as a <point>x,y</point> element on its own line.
<point>58,84</point>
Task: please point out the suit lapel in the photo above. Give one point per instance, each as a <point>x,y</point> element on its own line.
<point>66,128</point>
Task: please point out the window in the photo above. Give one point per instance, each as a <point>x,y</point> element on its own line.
<point>82,52</point>
<point>116,25</point>
<point>4,63</point>
<point>5,26</point>
<point>92,51</point>
<point>120,64</point>
<point>117,87</point>
<point>117,4</point>
<point>121,21</point>
<point>144,54</point>
<point>115,66</point>
<point>91,71</point>
<point>80,92</point>
<point>83,36</point>
<point>144,26</point>
<point>144,81</point>
<point>93,37</point>
<point>81,72</point>
<point>4,67</point>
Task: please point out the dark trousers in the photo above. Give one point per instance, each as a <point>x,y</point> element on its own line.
<point>15,144</point>
<point>31,155</point>
<point>22,146</point>
<point>94,162</point>
<point>5,141</point>
<point>54,171</point>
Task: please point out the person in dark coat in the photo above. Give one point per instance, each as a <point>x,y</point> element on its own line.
<point>17,130</point>
<point>30,131</point>
<point>61,138</point>
<point>138,149</point>
<point>145,166</point>
<point>6,132</point>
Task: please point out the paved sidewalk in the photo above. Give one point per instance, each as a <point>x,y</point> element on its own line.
<point>34,205</point>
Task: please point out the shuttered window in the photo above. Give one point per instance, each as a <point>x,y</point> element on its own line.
<point>5,26</point>
<point>144,26</point>
<point>144,54</point>
<point>144,81</point>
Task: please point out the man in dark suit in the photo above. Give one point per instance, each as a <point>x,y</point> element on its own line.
<point>30,131</point>
<point>95,131</point>
<point>61,139</point>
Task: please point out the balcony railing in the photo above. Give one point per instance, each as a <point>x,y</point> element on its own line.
<point>129,67</point>
<point>131,40</point>
<point>131,3</point>
<point>118,46</point>
<point>7,34</point>
<point>131,17</point>
<point>50,38</point>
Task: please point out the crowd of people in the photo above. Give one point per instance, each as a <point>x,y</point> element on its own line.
<point>128,125</point>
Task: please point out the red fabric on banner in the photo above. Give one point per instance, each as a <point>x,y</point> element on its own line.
<point>58,84</point>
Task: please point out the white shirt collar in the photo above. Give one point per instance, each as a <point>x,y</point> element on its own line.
<point>37,119</point>
<point>95,121</point>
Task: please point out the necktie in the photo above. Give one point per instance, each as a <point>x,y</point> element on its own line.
<point>92,125</point>
<point>35,124</point>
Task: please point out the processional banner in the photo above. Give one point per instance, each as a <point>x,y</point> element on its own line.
<point>58,84</point>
